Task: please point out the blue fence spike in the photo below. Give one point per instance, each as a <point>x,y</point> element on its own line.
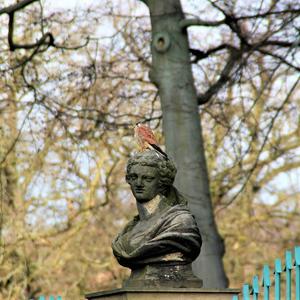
<point>255,287</point>
<point>246,292</point>
<point>288,276</point>
<point>297,255</point>
<point>277,268</point>
<point>42,298</point>
<point>59,298</point>
<point>277,273</point>
<point>288,267</point>
<point>266,276</point>
<point>288,260</point>
<point>266,282</point>
<point>235,297</point>
<point>297,267</point>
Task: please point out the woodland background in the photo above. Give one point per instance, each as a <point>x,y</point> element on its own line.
<point>66,111</point>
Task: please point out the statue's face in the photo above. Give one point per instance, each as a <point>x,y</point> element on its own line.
<point>144,182</point>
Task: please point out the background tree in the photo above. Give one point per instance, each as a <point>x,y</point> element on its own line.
<point>171,73</point>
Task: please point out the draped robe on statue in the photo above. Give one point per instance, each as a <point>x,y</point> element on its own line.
<point>168,235</point>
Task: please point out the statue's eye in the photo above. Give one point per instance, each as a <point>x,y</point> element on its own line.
<point>132,177</point>
<point>148,178</point>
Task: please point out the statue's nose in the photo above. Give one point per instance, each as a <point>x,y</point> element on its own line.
<point>139,181</point>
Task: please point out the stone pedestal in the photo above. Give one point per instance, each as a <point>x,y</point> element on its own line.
<point>164,294</point>
<point>163,276</point>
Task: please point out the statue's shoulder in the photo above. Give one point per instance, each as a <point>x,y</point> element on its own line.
<point>131,223</point>
<point>174,197</point>
<point>180,214</point>
<point>128,227</point>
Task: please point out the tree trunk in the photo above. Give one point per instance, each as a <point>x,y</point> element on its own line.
<point>171,73</point>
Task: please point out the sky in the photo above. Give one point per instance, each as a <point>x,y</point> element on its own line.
<point>188,5</point>
<point>68,4</point>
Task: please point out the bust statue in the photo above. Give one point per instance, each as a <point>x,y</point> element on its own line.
<point>160,243</point>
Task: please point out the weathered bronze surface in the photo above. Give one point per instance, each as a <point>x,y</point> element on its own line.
<point>159,244</point>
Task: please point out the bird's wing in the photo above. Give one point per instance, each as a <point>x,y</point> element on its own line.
<point>147,135</point>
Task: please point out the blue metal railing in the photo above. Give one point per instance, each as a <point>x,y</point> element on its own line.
<point>288,268</point>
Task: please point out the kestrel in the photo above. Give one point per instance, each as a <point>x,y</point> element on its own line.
<point>147,140</point>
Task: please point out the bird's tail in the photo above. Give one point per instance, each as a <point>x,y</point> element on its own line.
<point>158,149</point>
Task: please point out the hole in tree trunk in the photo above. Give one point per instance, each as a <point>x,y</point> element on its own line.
<point>161,41</point>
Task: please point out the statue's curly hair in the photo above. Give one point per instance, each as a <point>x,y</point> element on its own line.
<point>166,168</point>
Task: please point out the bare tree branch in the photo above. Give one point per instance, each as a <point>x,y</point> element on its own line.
<point>224,77</point>
<point>269,13</point>
<point>233,23</point>
<point>280,58</point>
<point>13,144</point>
<point>271,124</point>
<point>201,54</point>
<point>72,47</point>
<point>198,22</point>
<point>283,44</point>
<point>47,38</point>
<point>13,8</point>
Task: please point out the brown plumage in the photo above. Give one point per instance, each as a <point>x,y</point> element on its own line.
<point>146,139</point>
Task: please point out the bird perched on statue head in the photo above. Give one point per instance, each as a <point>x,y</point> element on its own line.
<point>147,140</point>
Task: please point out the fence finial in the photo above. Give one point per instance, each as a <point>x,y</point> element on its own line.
<point>266,282</point>
<point>278,269</point>
<point>246,292</point>
<point>277,272</point>
<point>255,287</point>
<point>297,266</point>
<point>288,274</point>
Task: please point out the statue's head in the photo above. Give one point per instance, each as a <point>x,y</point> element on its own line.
<point>149,174</point>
